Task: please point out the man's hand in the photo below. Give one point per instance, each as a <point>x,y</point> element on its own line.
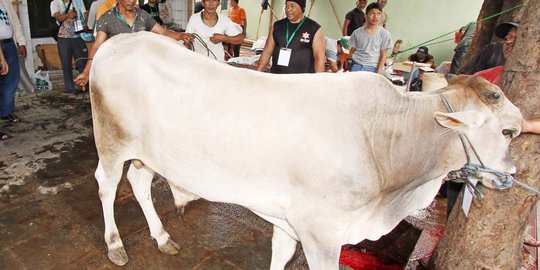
<point>4,68</point>
<point>187,38</point>
<point>71,14</point>
<point>22,51</point>
<point>217,38</point>
<point>82,80</point>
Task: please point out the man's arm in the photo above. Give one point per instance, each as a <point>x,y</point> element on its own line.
<point>382,58</point>
<point>158,29</point>
<point>319,48</point>
<point>267,51</point>
<point>345,26</point>
<point>531,126</point>
<point>236,40</point>
<point>83,78</point>
<point>17,31</point>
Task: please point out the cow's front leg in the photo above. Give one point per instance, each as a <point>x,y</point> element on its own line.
<point>319,238</point>
<point>141,183</point>
<point>283,248</point>
<point>108,177</point>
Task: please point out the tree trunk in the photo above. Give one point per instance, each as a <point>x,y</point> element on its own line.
<point>492,236</point>
<point>515,15</point>
<point>484,30</point>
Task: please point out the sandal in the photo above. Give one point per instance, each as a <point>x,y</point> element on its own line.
<point>3,136</point>
<point>10,118</point>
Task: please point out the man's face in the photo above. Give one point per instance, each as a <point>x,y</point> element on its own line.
<point>382,3</point>
<point>210,6</point>
<point>373,16</point>
<point>509,41</point>
<point>293,11</point>
<point>361,4</point>
<point>233,3</point>
<point>127,4</point>
<point>152,1</point>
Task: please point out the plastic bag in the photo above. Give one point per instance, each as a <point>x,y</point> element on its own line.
<point>41,81</point>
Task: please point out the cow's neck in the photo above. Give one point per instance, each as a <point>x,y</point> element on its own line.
<point>419,149</point>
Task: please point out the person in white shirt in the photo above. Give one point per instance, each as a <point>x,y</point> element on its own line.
<point>213,29</point>
<point>91,22</point>
<point>13,45</point>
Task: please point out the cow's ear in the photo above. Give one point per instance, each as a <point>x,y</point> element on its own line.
<point>460,121</point>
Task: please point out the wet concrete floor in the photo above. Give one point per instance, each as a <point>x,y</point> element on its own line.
<point>51,217</point>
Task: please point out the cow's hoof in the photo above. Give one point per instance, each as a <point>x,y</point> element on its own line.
<point>118,256</point>
<point>169,248</point>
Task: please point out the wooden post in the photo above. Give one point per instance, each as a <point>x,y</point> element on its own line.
<point>335,14</point>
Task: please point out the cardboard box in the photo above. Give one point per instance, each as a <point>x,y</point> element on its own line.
<point>405,68</point>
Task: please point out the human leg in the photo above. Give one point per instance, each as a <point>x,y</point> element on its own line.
<point>9,82</point>
<point>65,51</point>
<point>80,52</point>
<point>236,49</point>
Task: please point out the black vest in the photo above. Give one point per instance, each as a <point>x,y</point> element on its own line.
<point>302,59</point>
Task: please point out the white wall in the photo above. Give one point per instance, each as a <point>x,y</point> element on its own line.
<point>413,21</point>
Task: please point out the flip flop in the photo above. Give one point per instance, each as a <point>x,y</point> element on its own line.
<point>3,136</point>
<point>10,118</point>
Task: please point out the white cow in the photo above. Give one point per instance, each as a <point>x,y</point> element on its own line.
<point>328,159</point>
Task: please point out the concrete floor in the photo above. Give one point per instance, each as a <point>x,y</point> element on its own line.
<point>51,217</point>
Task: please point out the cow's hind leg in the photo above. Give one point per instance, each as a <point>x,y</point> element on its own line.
<point>141,183</point>
<point>108,178</point>
<point>283,248</point>
<point>181,198</point>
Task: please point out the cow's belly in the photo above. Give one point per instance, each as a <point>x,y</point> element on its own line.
<point>264,174</point>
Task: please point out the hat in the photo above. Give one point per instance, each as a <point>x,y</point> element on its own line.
<point>502,29</point>
<point>422,49</point>
<point>301,3</point>
<point>344,41</point>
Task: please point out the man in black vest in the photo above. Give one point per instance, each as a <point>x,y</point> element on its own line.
<point>354,18</point>
<point>296,43</point>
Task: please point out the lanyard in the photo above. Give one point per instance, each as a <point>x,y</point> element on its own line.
<point>124,20</point>
<point>287,33</point>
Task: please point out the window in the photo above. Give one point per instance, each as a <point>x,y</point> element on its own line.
<point>39,14</point>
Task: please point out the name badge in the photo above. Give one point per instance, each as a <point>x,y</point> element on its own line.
<point>284,57</point>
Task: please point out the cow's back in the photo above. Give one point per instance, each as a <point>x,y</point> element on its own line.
<point>157,101</point>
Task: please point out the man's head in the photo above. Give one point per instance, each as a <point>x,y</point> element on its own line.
<point>361,4</point>
<point>152,2</point>
<point>294,9</point>
<point>382,3</point>
<point>373,14</point>
<point>234,3</point>
<point>507,31</point>
<point>128,5</point>
<point>300,3</point>
<point>210,6</point>
<point>422,52</point>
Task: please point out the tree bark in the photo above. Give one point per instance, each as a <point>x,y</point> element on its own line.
<point>515,15</point>
<point>484,30</point>
<point>492,236</point>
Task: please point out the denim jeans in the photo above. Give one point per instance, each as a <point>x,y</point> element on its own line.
<point>10,81</point>
<point>358,67</point>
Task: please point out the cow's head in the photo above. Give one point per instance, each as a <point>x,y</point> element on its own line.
<point>489,120</point>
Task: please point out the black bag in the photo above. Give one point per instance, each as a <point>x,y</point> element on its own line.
<point>54,26</point>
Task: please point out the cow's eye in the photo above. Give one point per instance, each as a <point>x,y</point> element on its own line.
<point>509,133</point>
